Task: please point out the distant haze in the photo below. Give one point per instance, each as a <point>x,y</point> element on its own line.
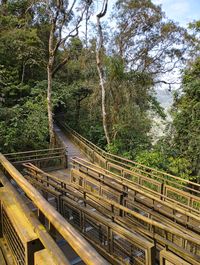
<point>165,97</point>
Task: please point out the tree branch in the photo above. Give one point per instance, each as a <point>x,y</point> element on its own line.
<point>59,66</point>
<point>167,83</point>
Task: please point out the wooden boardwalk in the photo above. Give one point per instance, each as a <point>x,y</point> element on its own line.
<point>131,215</point>
<point>154,205</point>
<point>72,149</point>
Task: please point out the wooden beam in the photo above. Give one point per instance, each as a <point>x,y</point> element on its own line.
<point>87,253</point>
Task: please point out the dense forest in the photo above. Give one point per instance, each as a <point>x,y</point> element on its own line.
<point>100,64</point>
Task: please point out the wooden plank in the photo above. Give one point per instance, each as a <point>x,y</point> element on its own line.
<point>79,244</point>
<point>168,258</point>
<point>2,259</point>
<point>43,257</point>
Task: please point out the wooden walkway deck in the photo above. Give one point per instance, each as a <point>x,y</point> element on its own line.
<point>72,149</point>
<point>155,206</point>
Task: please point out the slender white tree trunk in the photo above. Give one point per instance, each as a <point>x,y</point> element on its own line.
<point>103,101</point>
<point>49,106</point>
<point>58,20</point>
<point>49,87</point>
<point>101,71</point>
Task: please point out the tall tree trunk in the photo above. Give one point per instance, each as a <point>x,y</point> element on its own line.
<point>86,29</point>
<point>49,106</point>
<point>58,18</point>
<point>101,71</point>
<point>49,88</point>
<point>103,101</point>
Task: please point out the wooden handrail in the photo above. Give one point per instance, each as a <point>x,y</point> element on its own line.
<point>87,253</point>
<point>88,198</point>
<point>126,162</point>
<point>55,252</point>
<point>34,151</point>
<point>139,216</point>
<point>132,185</point>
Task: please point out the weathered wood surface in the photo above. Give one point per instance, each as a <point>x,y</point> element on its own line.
<point>88,254</point>
<point>72,148</point>
<point>140,219</point>
<point>39,229</point>
<point>120,165</point>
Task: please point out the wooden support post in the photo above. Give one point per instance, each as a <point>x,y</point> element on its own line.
<point>41,217</point>
<point>121,212</point>
<point>66,159</point>
<point>59,204</point>
<point>42,233</point>
<point>88,254</point>
<point>110,240</point>
<point>52,230</point>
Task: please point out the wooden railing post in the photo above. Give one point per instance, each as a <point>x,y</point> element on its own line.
<point>88,254</point>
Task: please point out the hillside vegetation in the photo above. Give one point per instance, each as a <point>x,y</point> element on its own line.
<point>56,57</point>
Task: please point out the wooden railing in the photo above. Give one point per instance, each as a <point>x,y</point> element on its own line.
<point>128,194</point>
<point>102,198</point>
<point>147,187</point>
<point>167,257</point>
<point>50,159</point>
<point>134,217</point>
<point>49,215</point>
<point>21,221</point>
<point>181,190</point>
<point>115,243</point>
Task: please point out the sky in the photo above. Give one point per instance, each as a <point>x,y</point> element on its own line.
<point>182,11</point>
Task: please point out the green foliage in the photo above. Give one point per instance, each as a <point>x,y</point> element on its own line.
<point>181,167</point>
<point>23,127</point>
<point>156,107</point>
<point>154,159</point>
<point>195,25</point>
<point>61,93</point>
<point>145,39</point>
<point>95,134</point>
<point>187,118</point>
<point>130,132</point>
<point>115,68</point>
<point>144,45</point>
<point>178,166</point>
<point>23,118</point>
<point>131,97</point>
<point>21,50</point>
